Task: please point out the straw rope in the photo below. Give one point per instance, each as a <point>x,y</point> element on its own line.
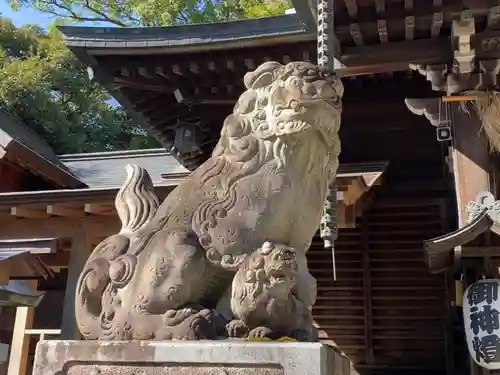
<point>487,107</point>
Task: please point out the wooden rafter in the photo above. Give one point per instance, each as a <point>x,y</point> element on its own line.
<point>21,264</point>
<point>440,251</point>
<point>352,8</point>
<point>356,34</point>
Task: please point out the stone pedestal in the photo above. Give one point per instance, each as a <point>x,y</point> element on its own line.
<point>186,358</point>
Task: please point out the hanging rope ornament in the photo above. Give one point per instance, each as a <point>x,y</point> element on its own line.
<point>487,107</point>
<point>328,228</point>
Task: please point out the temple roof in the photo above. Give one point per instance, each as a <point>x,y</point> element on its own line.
<point>188,38</point>
<point>107,169</point>
<point>23,147</point>
<point>20,258</point>
<point>189,76</point>
<point>164,76</point>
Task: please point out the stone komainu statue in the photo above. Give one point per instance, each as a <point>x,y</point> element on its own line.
<point>167,273</point>
<point>267,299</point>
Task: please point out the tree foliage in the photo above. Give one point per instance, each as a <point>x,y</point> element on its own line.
<point>44,85</point>
<point>42,82</point>
<point>155,12</point>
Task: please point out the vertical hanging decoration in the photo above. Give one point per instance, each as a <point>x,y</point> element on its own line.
<point>326,46</point>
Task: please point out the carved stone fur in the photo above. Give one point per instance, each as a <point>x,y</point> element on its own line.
<point>266,299</point>
<point>266,180</point>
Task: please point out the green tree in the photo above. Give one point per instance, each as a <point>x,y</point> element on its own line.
<point>45,86</point>
<point>154,12</point>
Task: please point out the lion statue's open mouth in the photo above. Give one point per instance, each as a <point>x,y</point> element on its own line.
<point>292,99</point>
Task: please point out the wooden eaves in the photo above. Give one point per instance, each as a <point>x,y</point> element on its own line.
<point>20,258</point>
<point>21,155</point>
<point>449,251</point>
<point>15,139</point>
<point>90,44</point>
<point>469,162</point>
<point>169,78</point>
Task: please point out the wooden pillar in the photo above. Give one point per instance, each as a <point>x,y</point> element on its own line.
<point>470,158</point>
<point>18,358</point>
<point>470,165</point>
<point>469,150</point>
<point>471,170</point>
<point>80,249</point>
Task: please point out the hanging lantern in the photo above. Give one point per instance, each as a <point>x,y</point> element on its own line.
<point>187,138</point>
<point>481,309</point>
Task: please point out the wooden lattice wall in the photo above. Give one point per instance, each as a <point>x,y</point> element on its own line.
<point>384,310</point>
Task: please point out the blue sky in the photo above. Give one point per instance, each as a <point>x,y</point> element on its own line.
<point>24,15</point>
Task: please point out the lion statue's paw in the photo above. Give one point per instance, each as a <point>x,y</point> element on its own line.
<point>261,333</point>
<point>236,328</point>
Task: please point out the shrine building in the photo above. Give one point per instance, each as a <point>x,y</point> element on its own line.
<point>412,159</point>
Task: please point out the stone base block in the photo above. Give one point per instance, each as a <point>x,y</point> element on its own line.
<point>186,358</point>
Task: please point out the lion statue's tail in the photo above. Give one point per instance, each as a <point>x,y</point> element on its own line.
<point>136,202</point>
<point>110,266</point>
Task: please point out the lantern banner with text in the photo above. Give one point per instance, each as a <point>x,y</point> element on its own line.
<point>481,308</point>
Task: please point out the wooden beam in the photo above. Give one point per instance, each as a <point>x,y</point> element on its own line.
<point>470,162</point>
<point>24,266</point>
<point>409,27</point>
<point>470,158</point>
<point>480,252</point>
<point>355,190</point>
<point>493,21</point>
<point>250,64</point>
<point>383,34</point>
<point>141,83</point>
<point>73,196</point>
<point>433,110</point>
<point>18,358</point>
<point>60,210</point>
<point>440,254</point>
<point>59,259</point>
<point>356,35</point>
<point>30,213</point>
<point>436,24</point>
<point>4,272</point>
<point>434,51</point>
<point>395,56</point>
<point>380,6</point>
<point>350,215</point>
<point>462,31</point>
<point>372,178</point>
<point>470,155</point>
<point>57,227</point>
<point>352,8</point>
<point>100,209</point>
